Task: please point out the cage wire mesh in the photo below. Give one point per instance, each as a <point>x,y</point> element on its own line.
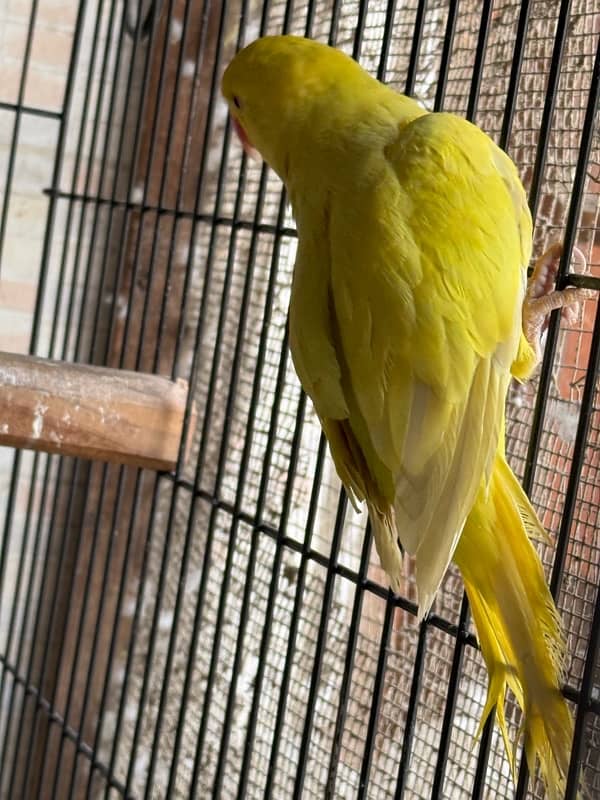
<point>225,630</point>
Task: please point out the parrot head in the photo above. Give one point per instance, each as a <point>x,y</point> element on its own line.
<point>282,91</point>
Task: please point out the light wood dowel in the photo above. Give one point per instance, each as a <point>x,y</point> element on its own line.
<point>91,412</point>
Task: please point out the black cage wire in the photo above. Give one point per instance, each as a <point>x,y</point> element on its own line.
<point>225,630</point>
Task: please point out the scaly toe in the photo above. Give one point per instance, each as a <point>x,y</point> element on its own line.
<point>541,298</point>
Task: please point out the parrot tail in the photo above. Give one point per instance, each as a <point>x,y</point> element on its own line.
<point>517,623</point>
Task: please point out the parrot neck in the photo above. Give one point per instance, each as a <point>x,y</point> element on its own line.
<point>346,149</point>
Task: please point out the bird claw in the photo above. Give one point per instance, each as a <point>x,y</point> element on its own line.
<point>541,298</point>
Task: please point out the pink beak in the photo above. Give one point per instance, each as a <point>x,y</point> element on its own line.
<point>243,137</point>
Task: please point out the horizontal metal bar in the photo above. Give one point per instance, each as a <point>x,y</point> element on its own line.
<point>67,731</point>
<point>37,112</point>
<point>433,620</point>
<point>147,208</point>
<point>572,278</point>
<point>314,555</point>
<point>583,281</point>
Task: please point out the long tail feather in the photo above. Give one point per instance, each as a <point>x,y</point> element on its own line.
<point>517,623</point>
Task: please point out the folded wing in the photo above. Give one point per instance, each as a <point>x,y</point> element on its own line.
<point>426,278</point>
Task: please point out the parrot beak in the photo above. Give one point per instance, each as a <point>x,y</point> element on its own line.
<point>243,137</point>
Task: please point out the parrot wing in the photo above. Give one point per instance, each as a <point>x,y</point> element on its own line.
<point>427,278</point>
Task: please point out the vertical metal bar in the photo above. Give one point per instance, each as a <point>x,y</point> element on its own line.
<point>16,599</point>
<point>161,198</point>
<point>79,155</point>
<point>575,206</point>
<point>38,313</point>
<point>74,489</point>
<point>78,159</point>
<point>222,454</point>
<point>534,197</point>
<point>359,31</point>
<point>484,29</point>
<point>319,648</point>
<point>515,74</point>
<point>14,141</point>
<point>262,490</point>
<point>560,39</point>
<point>335,21</point>
<point>453,687</point>
<point>154,139</point>
<point>199,334</point>
<point>310,17</point>
<point>295,617</point>
<point>411,75</point>
<point>507,122</point>
<point>5,547</point>
<point>348,665</point>
<point>207,415</point>
<point>446,55</point>
<point>94,334</point>
<point>144,96</point>
<point>136,492</point>
<point>583,427</point>
<point>376,699</point>
<point>454,680</point>
<point>95,330</point>
<point>411,711</point>
<point>134,629</point>
<point>87,592</point>
<point>368,536</point>
<point>266,632</point>
<point>6,537</point>
<point>56,175</point>
<point>553,330</point>
<point>587,687</point>
<point>386,38</point>
<point>113,640</point>
<point>171,128</point>
<point>166,548</point>
<point>483,756</point>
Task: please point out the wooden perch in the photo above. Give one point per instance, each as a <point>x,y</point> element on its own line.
<point>91,412</point>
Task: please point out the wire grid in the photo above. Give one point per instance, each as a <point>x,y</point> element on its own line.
<point>254,650</point>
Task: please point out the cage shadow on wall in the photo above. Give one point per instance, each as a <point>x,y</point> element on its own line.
<point>225,630</point>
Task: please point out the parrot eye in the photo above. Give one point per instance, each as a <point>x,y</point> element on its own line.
<point>236,102</point>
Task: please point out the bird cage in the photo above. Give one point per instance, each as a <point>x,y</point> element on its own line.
<point>222,627</point>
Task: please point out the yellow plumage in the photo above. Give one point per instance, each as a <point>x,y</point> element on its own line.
<point>517,622</point>
<point>405,323</point>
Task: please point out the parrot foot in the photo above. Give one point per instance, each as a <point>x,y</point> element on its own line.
<point>541,298</point>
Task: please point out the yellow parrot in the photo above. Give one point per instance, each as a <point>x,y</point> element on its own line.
<point>406,324</point>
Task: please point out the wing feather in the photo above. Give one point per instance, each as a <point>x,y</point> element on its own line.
<point>405,319</point>
<point>430,323</point>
